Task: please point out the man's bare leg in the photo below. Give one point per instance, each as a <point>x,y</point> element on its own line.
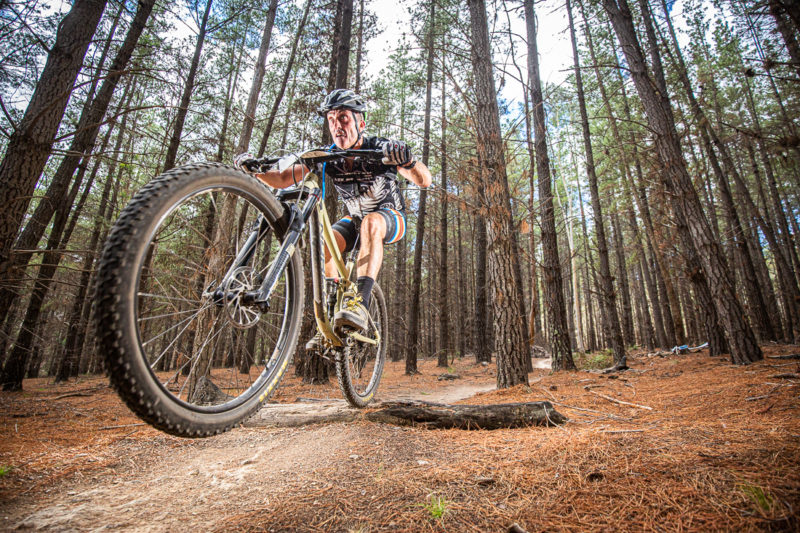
<point>330,266</point>
<point>370,258</point>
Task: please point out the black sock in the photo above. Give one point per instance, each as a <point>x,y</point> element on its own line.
<point>365,289</point>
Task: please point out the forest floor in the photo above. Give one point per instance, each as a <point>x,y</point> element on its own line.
<point>701,445</point>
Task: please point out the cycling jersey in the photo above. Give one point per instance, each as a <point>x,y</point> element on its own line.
<point>366,186</point>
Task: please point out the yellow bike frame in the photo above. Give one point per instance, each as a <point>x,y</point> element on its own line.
<point>345,270</point>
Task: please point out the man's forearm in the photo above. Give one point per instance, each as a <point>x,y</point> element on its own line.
<point>419,174</point>
<point>283,179</point>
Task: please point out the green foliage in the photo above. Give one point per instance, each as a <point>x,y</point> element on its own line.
<point>758,495</point>
<point>5,470</point>
<point>594,361</point>
<point>436,507</point>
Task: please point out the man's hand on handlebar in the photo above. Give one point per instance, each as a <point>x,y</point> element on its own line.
<point>397,153</point>
<point>246,163</point>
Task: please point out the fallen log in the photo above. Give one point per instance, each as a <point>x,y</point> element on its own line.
<point>789,356</point>
<point>442,416</point>
<point>786,375</point>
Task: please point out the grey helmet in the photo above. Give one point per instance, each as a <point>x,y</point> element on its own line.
<point>342,99</point>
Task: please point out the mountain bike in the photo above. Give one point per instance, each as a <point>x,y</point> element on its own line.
<point>201,293</point>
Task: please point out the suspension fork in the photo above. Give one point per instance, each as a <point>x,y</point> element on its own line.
<point>261,229</point>
<point>298,217</point>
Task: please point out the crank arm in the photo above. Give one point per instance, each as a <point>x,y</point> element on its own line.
<point>361,338</point>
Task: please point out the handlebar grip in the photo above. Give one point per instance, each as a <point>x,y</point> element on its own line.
<point>253,165</point>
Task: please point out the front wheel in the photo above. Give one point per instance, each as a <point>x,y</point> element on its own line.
<point>184,347</point>
<point>359,365</point>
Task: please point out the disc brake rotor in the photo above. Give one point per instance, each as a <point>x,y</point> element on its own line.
<point>242,280</point>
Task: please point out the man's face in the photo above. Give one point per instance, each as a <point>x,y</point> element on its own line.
<point>343,128</point>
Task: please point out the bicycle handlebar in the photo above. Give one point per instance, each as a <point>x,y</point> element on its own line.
<point>312,157</point>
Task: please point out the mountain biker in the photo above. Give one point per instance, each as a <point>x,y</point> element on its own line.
<point>369,191</point>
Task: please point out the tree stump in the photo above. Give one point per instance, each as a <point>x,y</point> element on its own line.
<point>434,415</point>
<point>207,393</point>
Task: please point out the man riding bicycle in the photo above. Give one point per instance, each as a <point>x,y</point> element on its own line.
<point>369,191</point>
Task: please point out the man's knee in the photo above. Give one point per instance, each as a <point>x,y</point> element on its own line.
<point>373,227</point>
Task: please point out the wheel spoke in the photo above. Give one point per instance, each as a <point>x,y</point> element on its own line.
<point>190,347</point>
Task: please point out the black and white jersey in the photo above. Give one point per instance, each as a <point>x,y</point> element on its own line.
<point>366,186</point>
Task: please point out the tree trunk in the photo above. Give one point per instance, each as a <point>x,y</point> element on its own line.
<point>790,293</point>
<point>343,51</point>
<point>330,202</point>
<point>609,298</point>
<point>360,47</point>
<point>505,274</point>
<point>31,142</point>
<point>279,97</point>
<point>485,417</point>
<point>574,298</point>
<point>233,80</point>
<point>759,313</point>
<point>188,88</point>
<point>744,348</point>
<point>82,145</point>
<point>78,317</point>
<point>622,275</point>
<point>462,292</point>
<point>558,334</point>
<point>779,213</point>
<point>444,309</point>
<point>413,344</point>
<point>776,9</point>
<point>754,248</point>
<point>258,79</point>
<point>14,369</point>
<point>647,328</point>
<point>480,331</point>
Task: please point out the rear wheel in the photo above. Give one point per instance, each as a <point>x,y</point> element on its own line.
<point>183,347</point>
<point>359,366</point>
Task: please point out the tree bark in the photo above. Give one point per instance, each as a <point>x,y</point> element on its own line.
<point>79,314</point>
<point>511,334</point>
<point>462,292</point>
<point>776,9</point>
<point>414,344</point>
<point>759,313</point>
<point>31,142</point>
<point>258,80</point>
<point>743,345</point>
<point>79,150</point>
<point>289,65</point>
<point>360,46</point>
<point>609,298</point>
<point>648,333</point>
<point>486,417</point>
<point>444,309</point>
<point>14,369</point>
<point>622,274</point>
<point>558,332</point>
<point>343,51</point>
<point>186,96</point>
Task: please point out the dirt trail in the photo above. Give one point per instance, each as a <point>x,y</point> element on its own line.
<point>73,458</point>
<point>163,483</point>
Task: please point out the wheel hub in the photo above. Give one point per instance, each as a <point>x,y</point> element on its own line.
<point>241,315</point>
